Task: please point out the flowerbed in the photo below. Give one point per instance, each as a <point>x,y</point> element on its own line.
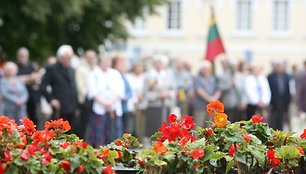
<point>178,147</point>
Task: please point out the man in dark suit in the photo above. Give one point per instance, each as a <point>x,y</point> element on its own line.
<point>280,94</point>
<point>60,77</point>
<point>30,77</point>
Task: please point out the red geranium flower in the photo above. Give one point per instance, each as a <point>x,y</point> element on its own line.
<point>32,149</point>
<point>80,144</point>
<point>46,158</point>
<point>186,153</point>
<point>257,119</point>
<point>301,151</point>
<point>160,148</point>
<point>141,163</point>
<point>7,124</point>
<point>272,159</point>
<point>196,166</point>
<point>208,132</point>
<point>58,125</point>
<point>66,165</point>
<point>197,153</point>
<point>303,135</point>
<point>2,171</point>
<point>247,137</point>
<point>214,107</point>
<point>81,168</point>
<point>29,126</point>
<point>43,136</point>
<point>65,144</point>
<point>104,155</point>
<point>233,148</point>
<point>118,142</point>
<point>172,118</point>
<point>24,156</point>
<point>7,156</point>
<point>107,170</point>
<point>187,122</point>
<point>119,156</point>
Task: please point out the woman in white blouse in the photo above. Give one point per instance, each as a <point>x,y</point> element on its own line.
<point>105,87</point>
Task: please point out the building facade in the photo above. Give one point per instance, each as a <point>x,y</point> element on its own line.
<point>256,30</point>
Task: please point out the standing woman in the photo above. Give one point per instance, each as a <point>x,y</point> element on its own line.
<point>129,100</point>
<point>106,88</point>
<point>137,78</point>
<point>14,93</point>
<point>160,93</point>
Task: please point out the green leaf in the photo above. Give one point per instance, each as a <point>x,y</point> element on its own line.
<point>288,152</point>
<point>257,154</point>
<point>160,162</point>
<point>170,156</point>
<point>230,165</point>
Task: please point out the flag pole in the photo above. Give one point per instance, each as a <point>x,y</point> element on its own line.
<point>212,17</point>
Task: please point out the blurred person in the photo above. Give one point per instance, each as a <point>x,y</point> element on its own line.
<point>206,89</point>
<point>233,97</point>
<point>160,93</point>
<point>3,60</point>
<point>280,95</point>
<point>27,72</point>
<point>190,94</point>
<point>14,93</point>
<point>62,94</point>
<point>129,99</point>
<point>257,92</point>
<point>301,92</point>
<point>183,82</point>
<point>45,107</point>
<point>137,79</point>
<point>106,88</point>
<point>293,110</point>
<point>81,77</point>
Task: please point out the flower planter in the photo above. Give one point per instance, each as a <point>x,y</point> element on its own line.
<point>125,170</point>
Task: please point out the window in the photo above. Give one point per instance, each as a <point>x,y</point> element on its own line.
<point>280,15</point>
<point>139,24</point>
<point>244,15</point>
<point>174,15</point>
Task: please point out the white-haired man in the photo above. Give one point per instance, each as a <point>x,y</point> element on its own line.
<point>206,89</point>
<point>61,79</point>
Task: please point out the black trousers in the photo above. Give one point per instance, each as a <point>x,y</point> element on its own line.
<point>277,116</point>
<point>32,110</point>
<point>82,120</point>
<point>252,110</point>
<point>234,114</point>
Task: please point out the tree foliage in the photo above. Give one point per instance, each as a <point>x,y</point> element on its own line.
<point>43,25</point>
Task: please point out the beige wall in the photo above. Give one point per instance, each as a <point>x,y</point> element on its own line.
<point>190,42</point>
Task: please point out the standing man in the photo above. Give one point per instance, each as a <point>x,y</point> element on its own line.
<point>61,79</point>
<point>206,89</point>
<point>257,91</point>
<point>280,94</point>
<point>183,82</point>
<point>81,77</point>
<point>27,74</point>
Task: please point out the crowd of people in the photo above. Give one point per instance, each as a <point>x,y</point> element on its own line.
<point>104,96</point>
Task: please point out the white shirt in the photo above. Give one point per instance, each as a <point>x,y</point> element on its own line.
<point>108,85</point>
<point>137,85</point>
<point>257,89</point>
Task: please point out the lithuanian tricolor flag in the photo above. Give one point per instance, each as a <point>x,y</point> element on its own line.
<point>214,42</point>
